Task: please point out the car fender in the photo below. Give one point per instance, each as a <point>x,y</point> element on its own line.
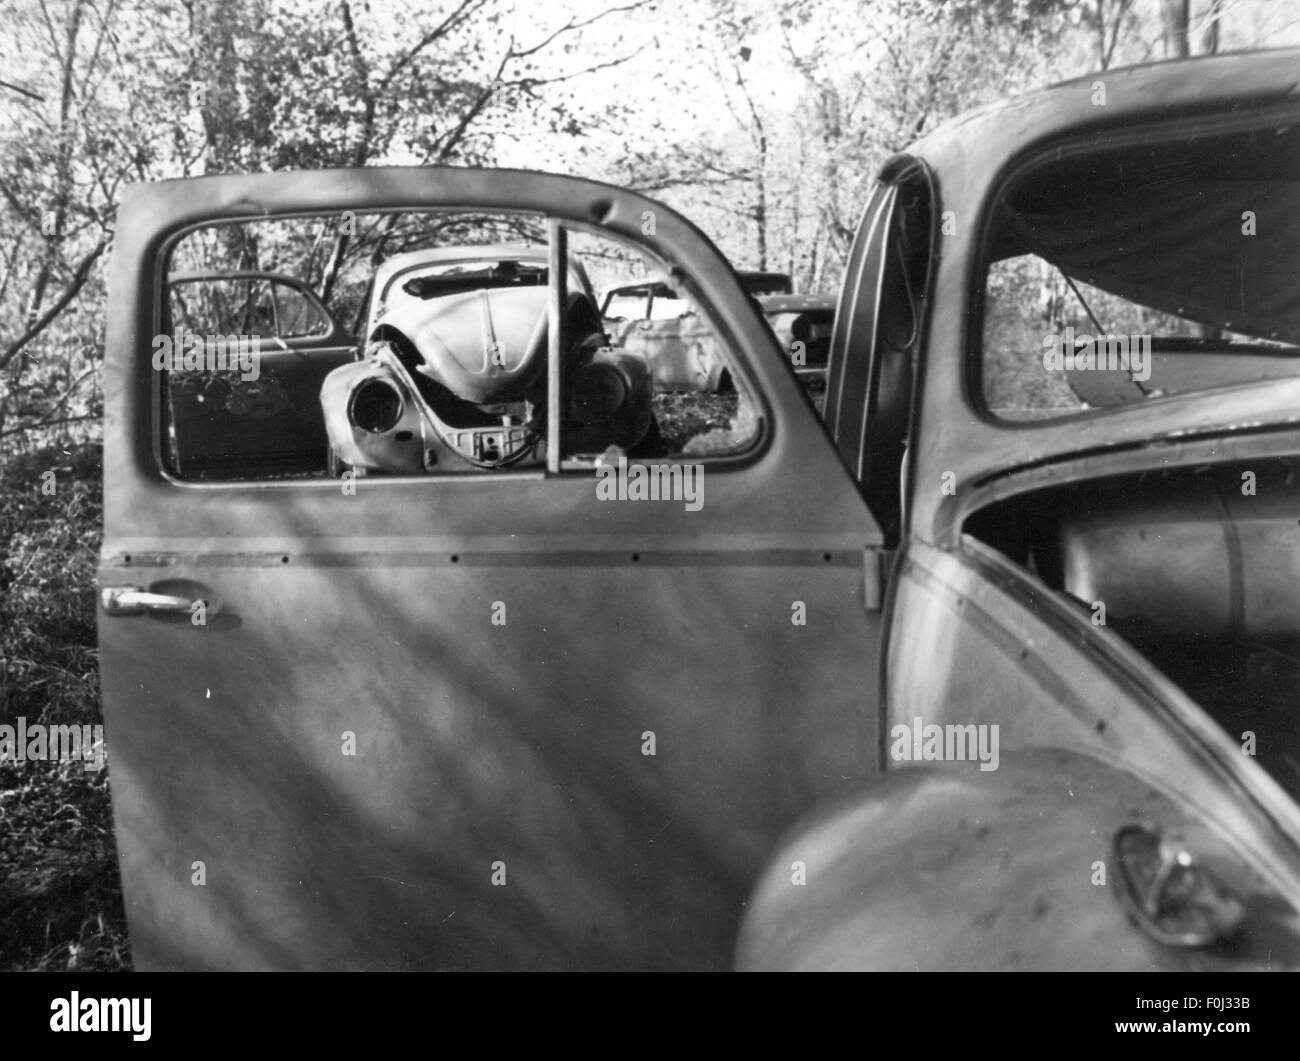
<point>398,449</point>
<point>953,867</point>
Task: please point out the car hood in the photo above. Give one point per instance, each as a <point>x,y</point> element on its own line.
<point>484,346</point>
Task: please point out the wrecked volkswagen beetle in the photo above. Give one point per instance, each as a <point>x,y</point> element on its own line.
<point>455,375</point>
<point>968,672</point>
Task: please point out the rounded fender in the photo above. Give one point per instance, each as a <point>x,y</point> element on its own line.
<point>945,866</point>
<point>361,449</point>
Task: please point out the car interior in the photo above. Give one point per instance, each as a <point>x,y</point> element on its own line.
<point>1195,240</point>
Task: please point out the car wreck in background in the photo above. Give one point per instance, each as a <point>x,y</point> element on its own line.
<point>803,326</point>
<point>455,369</point>
<point>652,318</point>
<point>962,673</point>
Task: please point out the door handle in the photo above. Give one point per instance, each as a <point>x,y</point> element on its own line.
<point>132,600</point>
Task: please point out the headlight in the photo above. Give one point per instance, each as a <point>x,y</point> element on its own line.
<point>375,405</point>
<point>598,390</point>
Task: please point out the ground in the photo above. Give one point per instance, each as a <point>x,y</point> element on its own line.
<point>60,893</point>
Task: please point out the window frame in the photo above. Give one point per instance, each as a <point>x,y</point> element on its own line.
<point>737,361</point>
<point>1149,132</point>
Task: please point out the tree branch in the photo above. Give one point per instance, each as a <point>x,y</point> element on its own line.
<point>47,423</point>
<point>573,25</point>
<point>26,92</point>
<point>528,83</point>
<point>78,281</point>
<point>462,12</point>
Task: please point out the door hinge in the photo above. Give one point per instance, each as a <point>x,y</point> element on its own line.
<point>876,563</point>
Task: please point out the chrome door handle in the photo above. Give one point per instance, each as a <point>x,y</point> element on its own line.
<point>132,600</point>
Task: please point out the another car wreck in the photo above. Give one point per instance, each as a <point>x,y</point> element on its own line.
<point>456,369</point>
<point>989,665</point>
<point>654,320</point>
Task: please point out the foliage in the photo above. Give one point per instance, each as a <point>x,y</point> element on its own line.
<point>60,901</point>
<point>100,96</point>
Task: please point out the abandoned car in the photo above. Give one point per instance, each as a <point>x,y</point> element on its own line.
<point>973,670</point>
<point>664,331</point>
<point>455,373</point>
<point>803,326</point>
<point>653,319</point>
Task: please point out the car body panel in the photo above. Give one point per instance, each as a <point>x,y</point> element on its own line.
<point>464,337</point>
<point>987,459</point>
<point>1005,643</point>
<point>1023,858</point>
<point>418,441</point>
<point>460,335</point>
<point>387,298</point>
<point>981,147</point>
<point>522,744</point>
<point>681,352</point>
<point>975,640</point>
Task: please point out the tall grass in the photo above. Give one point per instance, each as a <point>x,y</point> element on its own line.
<point>60,892</point>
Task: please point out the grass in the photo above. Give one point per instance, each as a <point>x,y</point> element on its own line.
<point>687,415</point>
<point>60,892</point>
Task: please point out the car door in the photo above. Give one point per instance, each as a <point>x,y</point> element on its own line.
<point>483,721</point>
<point>875,339</point>
<point>262,412</point>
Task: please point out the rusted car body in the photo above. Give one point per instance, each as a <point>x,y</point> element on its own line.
<point>651,318</point>
<point>678,347</point>
<point>455,370</point>
<point>694,719</point>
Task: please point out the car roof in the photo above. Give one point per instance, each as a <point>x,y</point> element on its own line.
<point>752,278</point>
<point>659,288</point>
<point>794,303</point>
<point>440,255</point>
<point>393,267</point>
<point>187,276</point>
<point>987,136</point>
